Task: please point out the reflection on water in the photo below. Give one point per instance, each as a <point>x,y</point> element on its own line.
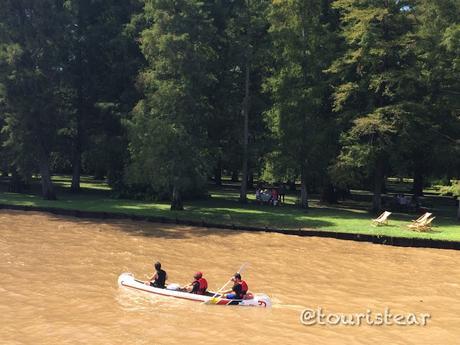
<point>59,285</point>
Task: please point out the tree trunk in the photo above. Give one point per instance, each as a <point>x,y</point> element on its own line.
<point>458,210</point>
<point>303,190</point>
<point>244,178</point>
<point>251,180</point>
<point>47,185</point>
<point>329,193</point>
<point>99,174</point>
<point>76,171</point>
<point>5,169</point>
<point>378,183</point>
<point>77,142</point>
<point>77,145</point>
<point>218,173</point>
<point>384,186</point>
<point>235,176</point>
<point>176,202</point>
<point>16,184</point>
<point>418,184</point>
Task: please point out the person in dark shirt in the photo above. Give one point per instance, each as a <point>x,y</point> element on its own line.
<point>282,192</point>
<point>158,280</point>
<point>239,289</point>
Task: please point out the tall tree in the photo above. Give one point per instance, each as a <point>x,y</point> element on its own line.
<point>241,45</point>
<point>101,62</point>
<point>437,47</point>
<point>303,38</point>
<point>32,65</point>
<point>245,105</point>
<point>375,77</point>
<point>168,129</point>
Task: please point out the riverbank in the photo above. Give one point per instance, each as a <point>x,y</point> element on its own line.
<point>399,241</point>
<point>349,219</point>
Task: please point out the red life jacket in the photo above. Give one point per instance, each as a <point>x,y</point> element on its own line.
<point>203,286</point>
<point>244,288</point>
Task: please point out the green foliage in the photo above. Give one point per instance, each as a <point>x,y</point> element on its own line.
<point>32,67</point>
<point>241,37</point>
<point>168,129</point>
<point>349,89</point>
<point>453,189</point>
<point>371,76</point>
<point>102,62</point>
<point>164,153</point>
<point>58,60</point>
<point>303,37</point>
<point>437,47</point>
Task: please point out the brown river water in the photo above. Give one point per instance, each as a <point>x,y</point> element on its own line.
<point>58,285</point>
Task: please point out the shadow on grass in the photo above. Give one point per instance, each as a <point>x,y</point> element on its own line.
<point>229,212</point>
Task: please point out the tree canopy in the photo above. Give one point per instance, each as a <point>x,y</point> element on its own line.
<point>160,97</point>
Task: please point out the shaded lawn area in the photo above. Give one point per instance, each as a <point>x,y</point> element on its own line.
<point>86,183</point>
<point>223,208</point>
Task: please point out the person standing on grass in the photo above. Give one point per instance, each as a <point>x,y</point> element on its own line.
<point>274,199</point>
<point>282,192</point>
<point>158,280</point>
<point>258,194</point>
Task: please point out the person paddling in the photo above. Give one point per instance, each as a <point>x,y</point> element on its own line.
<point>158,280</point>
<point>198,286</point>
<point>239,289</point>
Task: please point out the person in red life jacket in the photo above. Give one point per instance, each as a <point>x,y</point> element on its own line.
<point>159,278</point>
<point>239,289</point>
<point>274,198</point>
<point>198,286</point>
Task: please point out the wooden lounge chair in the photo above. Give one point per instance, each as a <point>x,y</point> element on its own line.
<point>422,226</point>
<point>423,218</point>
<point>382,219</point>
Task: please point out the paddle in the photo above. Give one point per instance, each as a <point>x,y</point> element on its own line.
<point>213,299</point>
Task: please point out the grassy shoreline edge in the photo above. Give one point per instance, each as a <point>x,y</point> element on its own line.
<point>372,238</point>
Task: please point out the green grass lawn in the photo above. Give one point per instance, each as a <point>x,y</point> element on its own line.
<point>86,183</point>
<point>223,208</point>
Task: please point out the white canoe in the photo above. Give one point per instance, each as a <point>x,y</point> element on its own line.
<point>128,280</point>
